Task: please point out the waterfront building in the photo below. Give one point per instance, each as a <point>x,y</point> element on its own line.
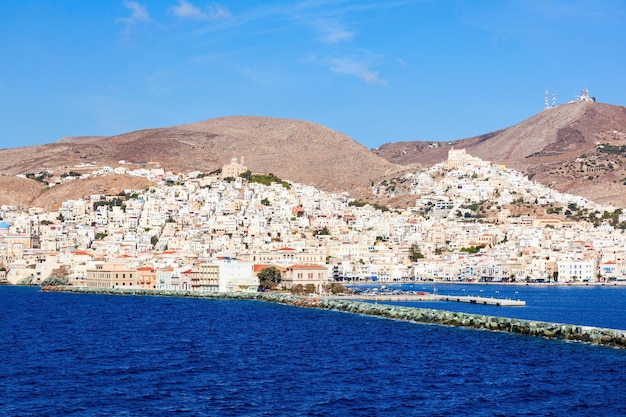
<point>316,275</point>
<point>577,270</point>
<point>205,277</point>
<point>106,275</point>
<point>235,276</point>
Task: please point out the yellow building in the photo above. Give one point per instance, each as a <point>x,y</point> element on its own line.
<point>12,246</point>
<point>205,277</point>
<point>112,276</point>
<point>316,275</point>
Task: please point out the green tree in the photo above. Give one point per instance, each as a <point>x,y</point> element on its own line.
<point>472,249</point>
<point>335,288</point>
<point>269,278</point>
<point>323,231</point>
<point>297,289</point>
<point>415,253</point>
<point>154,240</point>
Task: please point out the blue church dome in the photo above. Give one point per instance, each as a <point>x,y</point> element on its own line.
<point>4,225</point>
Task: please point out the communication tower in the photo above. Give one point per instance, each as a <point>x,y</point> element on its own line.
<point>553,98</point>
<point>545,100</point>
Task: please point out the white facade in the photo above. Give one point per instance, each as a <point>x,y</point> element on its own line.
<point>570,271</point>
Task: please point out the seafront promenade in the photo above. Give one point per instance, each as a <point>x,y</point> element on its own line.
<point>557,331</point>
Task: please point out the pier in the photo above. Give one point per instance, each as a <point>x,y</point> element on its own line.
<point>504,302</point>
<point>410,297</point>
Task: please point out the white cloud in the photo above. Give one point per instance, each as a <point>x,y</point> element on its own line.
<point>358,69</point>
<point>138,13</point>
<point>186,10</point>
<point>334,32</point>
<point>217,12</point>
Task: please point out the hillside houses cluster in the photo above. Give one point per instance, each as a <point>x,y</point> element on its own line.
<point>200,232</point>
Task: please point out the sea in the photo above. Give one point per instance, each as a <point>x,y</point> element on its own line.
<point>64,354</point>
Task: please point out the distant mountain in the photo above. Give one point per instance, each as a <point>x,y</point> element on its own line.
<point>579,148</point>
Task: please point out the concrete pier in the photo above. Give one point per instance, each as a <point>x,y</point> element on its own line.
<point>505,302</point>
<point>408,297</point>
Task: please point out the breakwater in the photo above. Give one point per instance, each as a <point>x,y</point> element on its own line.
<point>558,331</point>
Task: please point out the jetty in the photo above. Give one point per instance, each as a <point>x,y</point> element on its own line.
<point>504,302</point>
<point>410,297</point>
<point>559,331</point>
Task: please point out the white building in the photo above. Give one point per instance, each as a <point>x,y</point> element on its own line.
<point>576,270</point>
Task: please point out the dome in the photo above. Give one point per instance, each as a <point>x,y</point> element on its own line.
<point>4,225</point>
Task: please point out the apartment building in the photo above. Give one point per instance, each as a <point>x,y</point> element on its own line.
<point>106,275</point>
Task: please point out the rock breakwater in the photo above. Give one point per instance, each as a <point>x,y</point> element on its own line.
<point>559,331</point>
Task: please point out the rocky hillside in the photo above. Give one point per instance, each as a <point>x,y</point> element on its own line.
<point>296,150</point>
<point>579,148</point>
<point>21,192</point>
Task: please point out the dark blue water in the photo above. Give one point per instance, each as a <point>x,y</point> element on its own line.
<point>94,355</point>
<point>598,306</point>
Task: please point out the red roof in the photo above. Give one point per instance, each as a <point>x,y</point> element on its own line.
<point>81,253</point>
<point>256,268</point>
<point>312,266</point>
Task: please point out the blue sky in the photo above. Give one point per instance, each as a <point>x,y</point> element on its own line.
<point>378,71</point>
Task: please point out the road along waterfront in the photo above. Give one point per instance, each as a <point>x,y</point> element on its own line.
<point>558,331</point>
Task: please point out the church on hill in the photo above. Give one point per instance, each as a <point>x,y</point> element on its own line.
<point>234,168</point>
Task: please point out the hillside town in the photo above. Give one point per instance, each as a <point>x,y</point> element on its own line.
<point>216,232</point>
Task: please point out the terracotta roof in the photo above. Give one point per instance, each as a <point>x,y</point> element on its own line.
<point>80,253</point>
<point>312,266</point>
<point>256,268</point>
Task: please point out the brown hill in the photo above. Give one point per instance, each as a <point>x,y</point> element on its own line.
<point>21,192</point>
<point>578,148</point>
<point>575,148</point>
<point>294,150</point>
